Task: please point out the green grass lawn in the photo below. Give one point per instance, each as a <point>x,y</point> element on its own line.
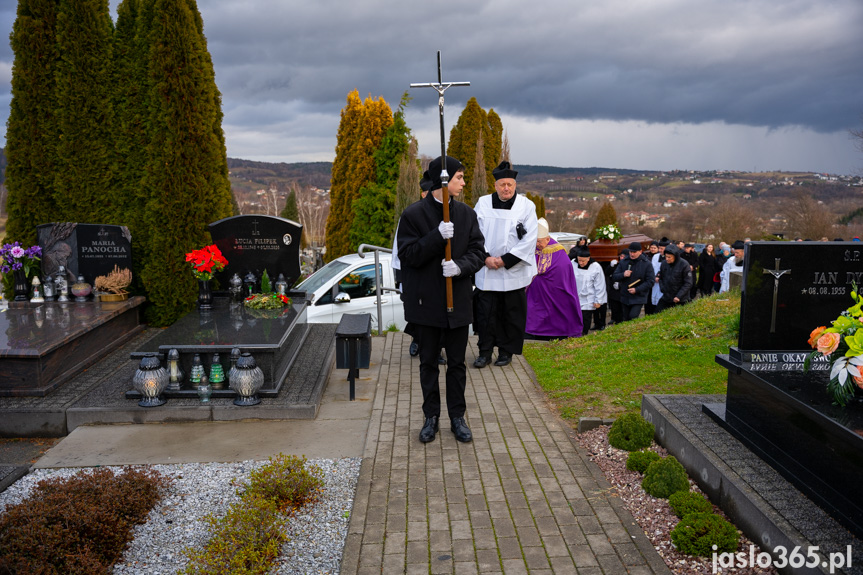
<point>606,373</point>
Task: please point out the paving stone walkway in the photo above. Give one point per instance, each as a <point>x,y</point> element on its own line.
<point>521,498</point>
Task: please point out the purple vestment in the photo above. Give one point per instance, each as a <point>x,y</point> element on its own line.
<point>553,309</point>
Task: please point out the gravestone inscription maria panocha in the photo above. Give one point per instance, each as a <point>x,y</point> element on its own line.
<point>89,250</point>
<point>780,410</point>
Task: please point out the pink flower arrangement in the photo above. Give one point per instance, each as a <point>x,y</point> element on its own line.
<point>842,343</point>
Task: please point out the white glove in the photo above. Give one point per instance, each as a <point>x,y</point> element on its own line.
<point>615,285</point>
<point>445,229</point>
<point>613,263</point>
<point>450,268</point>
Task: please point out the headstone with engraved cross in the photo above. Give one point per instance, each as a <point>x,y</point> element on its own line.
<point>780,410</point>
<point>254,243</point>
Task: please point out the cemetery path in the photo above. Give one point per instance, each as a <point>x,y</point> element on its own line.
<point>522,497</point>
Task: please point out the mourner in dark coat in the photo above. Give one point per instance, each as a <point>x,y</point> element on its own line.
<point>675,279</point>
<point>635,278</point>
<point>708,268</point>
<point>422,236</point>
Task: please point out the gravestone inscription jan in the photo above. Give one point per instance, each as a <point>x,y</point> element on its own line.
<point>255,243</point>
<point>84,249</point>
<point>790,288</point>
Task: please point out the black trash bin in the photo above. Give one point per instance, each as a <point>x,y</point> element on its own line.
<point>354,345</point>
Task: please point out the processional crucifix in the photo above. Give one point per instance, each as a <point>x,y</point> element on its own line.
<point>441,87</point>
<point>776,273</point>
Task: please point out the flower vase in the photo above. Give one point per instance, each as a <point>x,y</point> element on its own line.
<point>205,296</point>
<point>20,285</point>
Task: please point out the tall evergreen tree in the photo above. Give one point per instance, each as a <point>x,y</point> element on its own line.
<point>374,209</point>
<point>340,184</point>
<point>606,215</point>
<point>463,143</point>
<point>290,211</point>
<point>365,124</point>
<point>539,202</point>
<point>31,130</point>
<point>407,189</point>
<point>186,175</point>
<point>479,185</point>
<point>84,186</point>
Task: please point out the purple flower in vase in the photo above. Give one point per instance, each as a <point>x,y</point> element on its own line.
<point>17,252</point>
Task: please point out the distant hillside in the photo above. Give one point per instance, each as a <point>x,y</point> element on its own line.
<point>526,171</point>
<point>265,173</point>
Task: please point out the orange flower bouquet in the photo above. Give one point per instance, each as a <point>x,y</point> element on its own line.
<point>842,343</point>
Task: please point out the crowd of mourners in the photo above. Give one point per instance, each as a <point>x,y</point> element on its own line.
<point>668,274</point>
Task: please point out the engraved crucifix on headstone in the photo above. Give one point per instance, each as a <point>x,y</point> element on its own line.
<point>441,87</point>
<point>776,273</point>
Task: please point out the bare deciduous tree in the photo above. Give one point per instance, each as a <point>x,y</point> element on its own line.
<point>313,214</point>
<point>504,148</point>
<point>807,218</point>
<point>732,219</point>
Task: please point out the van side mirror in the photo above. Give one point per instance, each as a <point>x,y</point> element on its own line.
<point>342,297</point>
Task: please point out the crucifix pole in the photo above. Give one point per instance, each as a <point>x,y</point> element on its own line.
<point>440,88</point>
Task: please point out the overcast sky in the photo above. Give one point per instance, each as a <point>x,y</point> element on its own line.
<point>641,84</point>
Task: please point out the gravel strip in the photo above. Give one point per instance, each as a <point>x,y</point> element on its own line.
<point>316,535</point>
<point>654,515</point>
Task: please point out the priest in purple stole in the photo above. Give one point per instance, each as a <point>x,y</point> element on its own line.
<point>553,309</point>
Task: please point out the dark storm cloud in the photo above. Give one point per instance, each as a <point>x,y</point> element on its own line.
<point>284,67</point>
<point>765,63</point>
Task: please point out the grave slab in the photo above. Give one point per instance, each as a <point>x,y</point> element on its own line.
<point>44,345</point>
<point>84,249</point>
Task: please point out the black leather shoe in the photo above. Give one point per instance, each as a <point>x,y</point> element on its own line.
<point>429,429</point>
<point>503,360</point>
<point>441,359</point>
<point>414,349</point>
<point>482,361</point>
<point>461,430</point>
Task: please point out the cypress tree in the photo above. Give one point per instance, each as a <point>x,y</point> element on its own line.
<point>479,184</point>
<point>407,189</point>
<point>84,180</point>
<point>186,174</point>
<point>494,150</point>
<point>539,202</point>
<point>463,144</point>
<point>374,209</point>
<point>290,211</point>
<point>340,184</point>
<point>606,215</point>
<point>31,130</point>
<point>359,141</point>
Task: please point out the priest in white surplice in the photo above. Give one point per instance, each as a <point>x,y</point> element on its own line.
<point>508,223</point>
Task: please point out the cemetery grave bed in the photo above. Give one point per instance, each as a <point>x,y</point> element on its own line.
<point>758,500</point>
<point>653,515</point>
<point>315,535</point>
<point>97,395</point>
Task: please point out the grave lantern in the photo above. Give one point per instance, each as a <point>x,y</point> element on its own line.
<point>175,372</point>
<point>281,285</point>
<point>150,380</point>
<point>217,373</point>
<point>246,379</point>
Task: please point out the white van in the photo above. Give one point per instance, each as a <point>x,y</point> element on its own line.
<point>347,285</point>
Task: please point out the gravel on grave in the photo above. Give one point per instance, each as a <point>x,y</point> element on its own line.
<point>654,515</point>
<point>315,536</point>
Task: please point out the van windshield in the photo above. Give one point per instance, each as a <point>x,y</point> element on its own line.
<point>322,276</point>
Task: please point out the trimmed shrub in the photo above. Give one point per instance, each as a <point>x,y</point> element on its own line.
<point>245,541</point>
<point>685,502</point>
<point>248,539</point>
<point>286,481</point>
<point>79,524</point>
<point>631,432</point>
<point>640,460</point>
<point>697,533</point>
<point>665,477</point>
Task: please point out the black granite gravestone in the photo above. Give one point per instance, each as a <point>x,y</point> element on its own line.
<point>84,249</point>
<point>256,243</point>
<point>790,288</point>
<point>780,411</point>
